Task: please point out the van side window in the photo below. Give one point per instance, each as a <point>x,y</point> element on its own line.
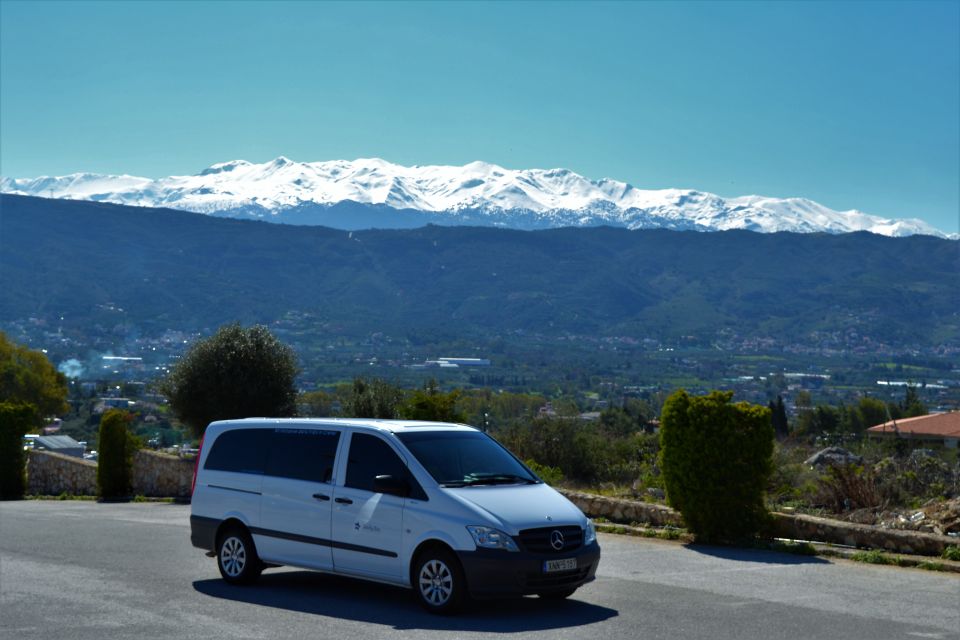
<point>303,454</point>
<point>240,451</point>
<point>371,457</point>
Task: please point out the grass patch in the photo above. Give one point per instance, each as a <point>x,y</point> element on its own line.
<point>62,496</point>
<point>641,531</point>
<point>670,533</point>
<point>951,553</point>
<point>796,548</point>
<point>931,566</point>
<point>871,557</point>
<point>879,557</point>
<point>612,528</point>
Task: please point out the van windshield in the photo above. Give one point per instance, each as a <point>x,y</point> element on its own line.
<point>465,459</point>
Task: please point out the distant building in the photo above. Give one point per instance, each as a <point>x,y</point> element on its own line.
<point>53,426</point>
<point>936,428</point>
<point>112,403</point>
<point>118,403</point>
<point>64,445</point>
<point>466,362</point>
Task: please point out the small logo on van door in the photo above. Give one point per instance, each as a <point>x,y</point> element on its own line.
<point>366,526</point>
<point>556,539</point>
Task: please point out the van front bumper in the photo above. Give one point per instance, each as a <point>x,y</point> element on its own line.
<point>492,572</point>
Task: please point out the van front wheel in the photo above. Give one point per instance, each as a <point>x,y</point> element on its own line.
<point>438,581</point>
<point>237,557</point>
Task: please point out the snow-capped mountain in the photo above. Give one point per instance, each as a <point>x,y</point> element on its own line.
<point>376,193</point>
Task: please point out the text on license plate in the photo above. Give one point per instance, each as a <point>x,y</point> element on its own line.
<point>566,564</point>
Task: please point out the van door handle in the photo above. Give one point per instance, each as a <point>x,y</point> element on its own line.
<point>320,496</point>
<point>343,500</point>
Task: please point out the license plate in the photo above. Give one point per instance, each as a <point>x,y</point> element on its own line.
<point>566,564</point>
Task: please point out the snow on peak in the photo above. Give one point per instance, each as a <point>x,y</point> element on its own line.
<point>220,167</point>
<point>475,193</point>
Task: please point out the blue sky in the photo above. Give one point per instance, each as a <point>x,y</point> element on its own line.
<point>855,105</point>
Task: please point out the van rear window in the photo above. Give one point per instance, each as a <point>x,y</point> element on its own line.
<point>303,454</point>
<point>240,451</point>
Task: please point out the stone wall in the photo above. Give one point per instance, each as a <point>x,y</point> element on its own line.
<point>624,511</point>
<point>161,475</point>
<point>803,527</point>
<point>154,475</point>
<point>791,526</point>
<point>52,474</point>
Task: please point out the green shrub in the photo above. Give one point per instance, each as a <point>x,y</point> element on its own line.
<point>431,404</point>
<point>372,399</point>
<point>115,463</point>
<point>551,475</point>
<point>716,460</point>
<point>15,422</point>
<point>951,553</point>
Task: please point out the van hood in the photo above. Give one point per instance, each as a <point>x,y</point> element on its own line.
<point>515,507</point>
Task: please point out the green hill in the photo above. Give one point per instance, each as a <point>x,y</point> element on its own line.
<point>172,269</point>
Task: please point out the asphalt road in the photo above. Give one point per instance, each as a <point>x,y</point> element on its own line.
<point>71,570</point>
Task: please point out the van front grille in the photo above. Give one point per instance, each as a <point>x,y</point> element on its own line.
<point>542,540</point>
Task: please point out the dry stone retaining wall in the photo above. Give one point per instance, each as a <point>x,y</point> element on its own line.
<point>624,511</point>
<point>803,527</point>
<point>51,474</point>
<point>154,475</point>
<point>794,527</point>
<point>161,475</point>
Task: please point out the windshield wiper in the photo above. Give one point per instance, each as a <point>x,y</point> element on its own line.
<point>475,479</point>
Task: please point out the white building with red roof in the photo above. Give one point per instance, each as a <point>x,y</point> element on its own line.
<point>936,428</point>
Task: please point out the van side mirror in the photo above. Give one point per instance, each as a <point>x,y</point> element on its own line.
<point>393,485</point>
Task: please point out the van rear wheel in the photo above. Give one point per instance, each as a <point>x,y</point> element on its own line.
<point>438,581</point>
<point>237,557</point>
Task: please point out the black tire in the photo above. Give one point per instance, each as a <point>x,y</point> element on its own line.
<point>557,595</point>
<point>438,581</point>
<point>237,558</point>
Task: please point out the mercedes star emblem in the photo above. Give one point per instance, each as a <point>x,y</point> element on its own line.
<point>556,540</point>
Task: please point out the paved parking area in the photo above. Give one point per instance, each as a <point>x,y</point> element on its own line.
<point>73,569</point>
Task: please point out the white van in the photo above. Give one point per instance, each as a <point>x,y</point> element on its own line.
<point>440,508</point>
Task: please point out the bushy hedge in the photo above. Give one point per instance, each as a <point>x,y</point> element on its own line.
<point>15,421</point>
<point>716,458</point>
<point>115,463</point>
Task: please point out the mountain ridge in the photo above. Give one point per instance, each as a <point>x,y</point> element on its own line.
<point>345,194</point>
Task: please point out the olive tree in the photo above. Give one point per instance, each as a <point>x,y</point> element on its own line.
<point>236,373</point>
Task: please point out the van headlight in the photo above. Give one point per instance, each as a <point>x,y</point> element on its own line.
<point>589,533</point>
<point>490,538</point>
